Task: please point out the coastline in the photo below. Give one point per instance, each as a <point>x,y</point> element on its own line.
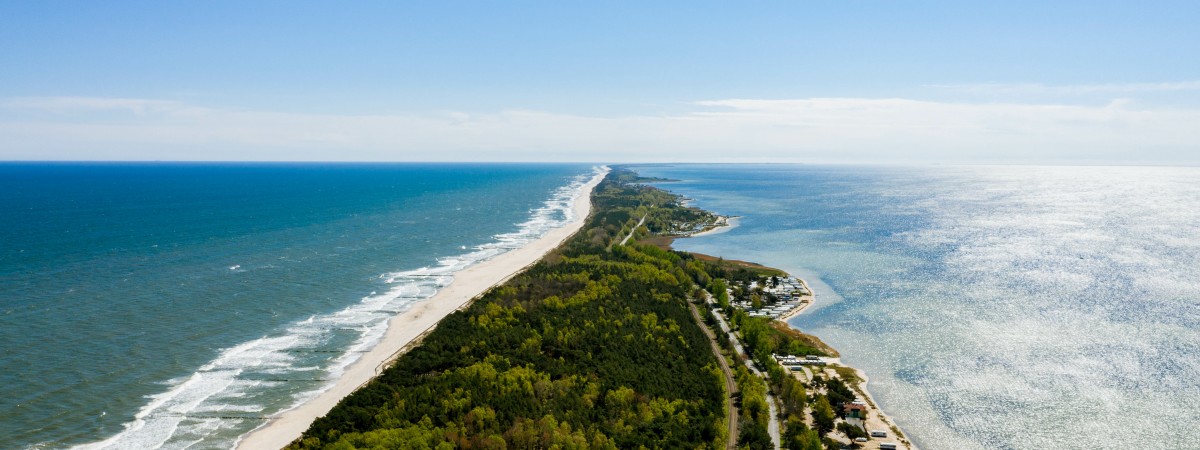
<point>724,224</point>
<point>808,301</point>
<point>877,418</point>
<point>408,327</point>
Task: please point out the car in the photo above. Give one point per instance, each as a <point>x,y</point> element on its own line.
<point>860,439</point>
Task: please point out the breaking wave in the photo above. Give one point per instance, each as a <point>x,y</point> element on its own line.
<point>249,383</point>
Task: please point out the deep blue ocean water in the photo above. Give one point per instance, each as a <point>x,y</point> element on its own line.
<point>1000,307</point>
<point>174,305</point>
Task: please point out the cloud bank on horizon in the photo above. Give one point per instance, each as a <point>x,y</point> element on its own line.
<point>831,130</point>
<point>1021,81</point>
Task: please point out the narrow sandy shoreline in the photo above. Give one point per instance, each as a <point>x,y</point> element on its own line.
<point>878,418</point>
<point>410,325</point>
<point>729,223</point>
<point>811,298</point>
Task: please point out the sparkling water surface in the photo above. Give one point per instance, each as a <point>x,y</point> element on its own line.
<point>992,306</point>
<point>176,305</point>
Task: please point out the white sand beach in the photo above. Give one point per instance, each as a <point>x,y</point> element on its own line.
<point>724,224</point>
<point>407,327</point>
<point>807,299</point>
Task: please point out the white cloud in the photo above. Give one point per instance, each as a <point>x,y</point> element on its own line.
<point>76,104</point>
<point>1069,90</point>
<point>805,130</point>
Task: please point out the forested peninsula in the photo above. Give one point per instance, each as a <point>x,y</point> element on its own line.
<point>599,345</point>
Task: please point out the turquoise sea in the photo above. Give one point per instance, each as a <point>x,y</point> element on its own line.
<point>997,307</point>
<point>174,306</point>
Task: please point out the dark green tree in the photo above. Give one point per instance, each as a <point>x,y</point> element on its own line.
<point>823,416</point>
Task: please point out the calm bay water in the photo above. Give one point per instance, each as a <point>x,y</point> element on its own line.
<point>175,305</point>
<point>993,307</point>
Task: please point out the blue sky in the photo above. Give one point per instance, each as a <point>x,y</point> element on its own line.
<point>833,81</point>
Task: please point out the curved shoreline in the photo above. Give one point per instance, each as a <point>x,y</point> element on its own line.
<point>408,327</point>
<point>878,418</point>
<point>726,224</point>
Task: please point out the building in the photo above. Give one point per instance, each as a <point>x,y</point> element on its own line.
<point>856,414</point>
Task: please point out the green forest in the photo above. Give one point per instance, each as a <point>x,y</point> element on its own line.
<point>593,347</point>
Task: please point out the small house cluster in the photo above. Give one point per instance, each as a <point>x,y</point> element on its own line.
<point>789,292</point>
<point>787,288</point>
<point>686,229</point>
<point>706,223</point>
<point>774,311</point>
<point>794,362</point>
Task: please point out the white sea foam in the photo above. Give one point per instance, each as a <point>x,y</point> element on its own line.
<point>234,392</point>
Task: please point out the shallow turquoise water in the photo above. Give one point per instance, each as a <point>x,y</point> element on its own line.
<point>993,307</point>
